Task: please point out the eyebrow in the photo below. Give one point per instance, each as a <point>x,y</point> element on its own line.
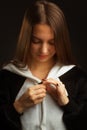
<point>33,36</point>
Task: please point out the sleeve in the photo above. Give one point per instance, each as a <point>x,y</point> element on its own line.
<point>9,118</point>
<point>75,112</point>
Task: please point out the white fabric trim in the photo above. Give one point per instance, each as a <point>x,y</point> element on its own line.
<point>46,115</point>
<point>26,72</point>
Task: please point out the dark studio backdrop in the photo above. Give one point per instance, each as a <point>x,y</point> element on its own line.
<point>11,15</point>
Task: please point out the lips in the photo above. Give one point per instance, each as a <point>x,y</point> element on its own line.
<point>43,56</point>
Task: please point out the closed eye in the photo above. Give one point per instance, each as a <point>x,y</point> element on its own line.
<point>51,42</point>
<point>35,40</point>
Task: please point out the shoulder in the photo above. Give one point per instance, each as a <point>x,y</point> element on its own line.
<point>75,73</point>
<point>6,75</point>
<point>10,82</point>
<point>78,71</point>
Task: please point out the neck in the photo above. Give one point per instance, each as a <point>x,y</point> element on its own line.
<point>41,66</point>
<point>40,69</point>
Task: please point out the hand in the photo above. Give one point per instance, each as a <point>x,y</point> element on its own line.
<point>57,90</point>
<point>32,96</point>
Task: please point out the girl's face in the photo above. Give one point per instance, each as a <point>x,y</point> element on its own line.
<point>42,43</point>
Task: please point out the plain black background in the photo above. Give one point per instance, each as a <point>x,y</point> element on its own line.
<point>11,15</point>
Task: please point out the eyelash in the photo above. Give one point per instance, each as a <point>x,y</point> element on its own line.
<point>51,43</point>
<point>36,41</point>
<point>39,42</point>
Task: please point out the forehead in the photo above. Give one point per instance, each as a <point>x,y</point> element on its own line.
<point>43,30</point>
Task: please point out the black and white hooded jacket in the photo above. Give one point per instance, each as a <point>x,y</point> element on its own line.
<point>47,115</point>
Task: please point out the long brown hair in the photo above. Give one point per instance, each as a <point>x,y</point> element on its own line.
<point>44,12</point>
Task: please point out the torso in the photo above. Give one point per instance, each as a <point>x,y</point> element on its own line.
<point>41,71</point>
<point>39,74</point>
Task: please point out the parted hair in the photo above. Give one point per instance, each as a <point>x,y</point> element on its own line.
<point>44,12</point>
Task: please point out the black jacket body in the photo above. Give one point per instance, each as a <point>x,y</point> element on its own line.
<point>75,112</point>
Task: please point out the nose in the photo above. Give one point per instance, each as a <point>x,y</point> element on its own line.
<point>44,48</point>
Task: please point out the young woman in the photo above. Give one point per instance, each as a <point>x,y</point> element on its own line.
<point>42,88</point>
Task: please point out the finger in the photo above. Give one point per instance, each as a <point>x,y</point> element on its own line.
<point>36,87</point>
<point>33,102</point>
<point>37,101</point>
<point>51,82</point>
<point>50,87</point>
<point>52,92</point>
<point>35,98</point>
<point>40,96</point>
<point>36,92</point>
<point>61,89</point>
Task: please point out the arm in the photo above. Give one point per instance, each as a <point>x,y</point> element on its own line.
<point>74,105</point>
<point>32,96</point>
<point>75,112</point>
<point>10,110</point>
<point>9,117</point>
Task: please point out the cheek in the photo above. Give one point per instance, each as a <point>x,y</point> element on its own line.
<point>31,49</point>
<point>34,48</point>
<point>53,50</point>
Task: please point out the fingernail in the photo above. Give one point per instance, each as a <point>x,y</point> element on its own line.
<point>40,82</point>
<point>43,79</point>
